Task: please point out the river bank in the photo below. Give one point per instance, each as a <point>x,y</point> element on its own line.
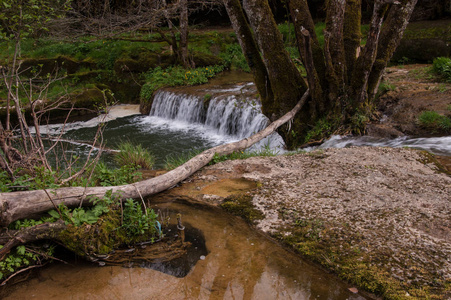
<point>380,218</point>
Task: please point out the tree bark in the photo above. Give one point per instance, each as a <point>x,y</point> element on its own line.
<point>286,82</point>
<point>28,204</point>
<point>250,50</point>
<point>184,33</point>
<point>352,34</point>
<point>334,27</point>
<point>364,64</point>
<point>391,34</point>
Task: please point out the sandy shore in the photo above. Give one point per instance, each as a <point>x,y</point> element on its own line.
<point>378,217</point>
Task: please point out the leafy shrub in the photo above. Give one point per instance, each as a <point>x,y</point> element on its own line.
<point>434,121</point>
<point>233,57</point>
<point>138,222</point>
<point>442,67</point>
<point>134,155</point>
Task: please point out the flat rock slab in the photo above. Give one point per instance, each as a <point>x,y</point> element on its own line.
<point>391,207</point>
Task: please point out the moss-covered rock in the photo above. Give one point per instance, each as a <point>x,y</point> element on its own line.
<point>421,50</point>
<point>241,205</point>
<point>43,66</point>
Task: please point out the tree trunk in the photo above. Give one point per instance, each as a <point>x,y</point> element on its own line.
<point>250,50</point>
<point>184,33</point>
<point>391,34</point>
<point>29,204</point>
<point>286,82</point>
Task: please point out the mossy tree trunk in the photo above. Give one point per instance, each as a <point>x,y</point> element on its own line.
<point>342,76</point>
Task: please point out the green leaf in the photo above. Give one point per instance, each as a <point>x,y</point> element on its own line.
<point>54,214</point>
<point>21,250</point>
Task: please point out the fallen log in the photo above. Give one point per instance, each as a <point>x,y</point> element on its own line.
<point>29,204</point>
<point>12,238</point>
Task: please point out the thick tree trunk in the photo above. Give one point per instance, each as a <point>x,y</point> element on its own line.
<point>184,33</point>
<point>286,82</point>
<point>352,34</point>
<point>250,50</point>
<point>302,19</point>
<point>364,64</point>
<point>334,28</point>
<point>28,204</point>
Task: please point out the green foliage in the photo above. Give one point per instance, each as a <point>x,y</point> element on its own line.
<point>35,179</point>
<point>20,257</point>
<point>106,176</point>
<point>82,215</point>
<point>174,161</point>
<point>233,58</point>
<point>434,121</point>
<point>135,156</point>
<point>176,76</point>
<point>138,222</point>
<point>321,129</point>
<point>386,86</point>
<point>442,67</point>
<point>24,18</point>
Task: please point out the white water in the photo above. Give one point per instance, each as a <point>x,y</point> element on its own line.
<point>226,119</point>
<point>437,145</point>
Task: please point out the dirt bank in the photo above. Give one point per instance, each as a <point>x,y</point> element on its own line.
<point>378,217</point>
<point>407,92</point>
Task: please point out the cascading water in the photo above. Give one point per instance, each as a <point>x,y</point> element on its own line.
<point>226,116</point>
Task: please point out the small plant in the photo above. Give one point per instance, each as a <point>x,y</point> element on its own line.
<point>135,156</point>
<point>207,97</point>
<point>442,67</point>
<point>106,176</point>
<point>174,161</point>
<point>434,121</point>
<point>385,87</point>
<point>137,222</point>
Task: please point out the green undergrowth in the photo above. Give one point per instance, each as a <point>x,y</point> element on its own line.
<point>176,76</point>
<point>118,225</point>
<point>135,156</point>
<point>434,122</point>
<point>442,67</point>
<point>40,178</point>
<point>96,230</point>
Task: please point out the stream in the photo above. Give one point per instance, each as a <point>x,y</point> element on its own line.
<point>229,259</point>
<point>235,262</point>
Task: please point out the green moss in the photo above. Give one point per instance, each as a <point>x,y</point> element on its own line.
<point>429,158</point>
<point>241,205</point>
<point>321,241</point>
<point>100,238</point>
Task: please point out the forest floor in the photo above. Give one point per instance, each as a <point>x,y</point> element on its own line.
<point>378,217</point>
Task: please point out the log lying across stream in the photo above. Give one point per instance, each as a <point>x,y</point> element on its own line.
<point>29,204</point>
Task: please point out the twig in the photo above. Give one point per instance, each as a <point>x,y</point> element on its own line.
<point>20,271</point>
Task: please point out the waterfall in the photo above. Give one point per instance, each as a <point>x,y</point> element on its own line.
<point>226,115</point>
